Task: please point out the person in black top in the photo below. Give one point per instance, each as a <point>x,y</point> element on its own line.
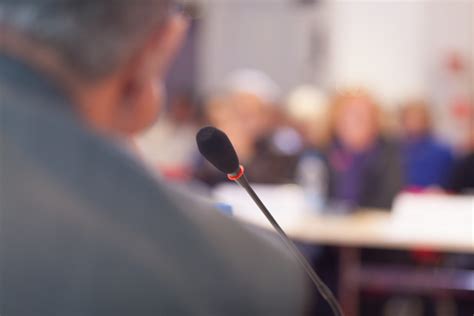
<point>364,166</point>
<point>462,178</point>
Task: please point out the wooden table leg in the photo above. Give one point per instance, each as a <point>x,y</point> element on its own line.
<point>349,271</point>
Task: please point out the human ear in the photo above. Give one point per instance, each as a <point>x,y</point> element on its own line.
<point>142,88</point>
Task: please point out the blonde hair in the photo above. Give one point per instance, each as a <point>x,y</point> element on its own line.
<point>341,98</point>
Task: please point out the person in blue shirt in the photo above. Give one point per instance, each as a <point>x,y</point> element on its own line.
<point>426,161</point>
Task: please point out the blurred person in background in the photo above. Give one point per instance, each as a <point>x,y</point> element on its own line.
<point>426,161</point>
<point>462,176</point>
<point>306,109</point>
<point>364,165</point>
<point>247,111</point>
<point>175,130</point>
<point>363,169</point>
<point>86,229</point>
<point>428,164</point>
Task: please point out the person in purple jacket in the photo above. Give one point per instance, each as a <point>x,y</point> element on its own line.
<point>364,165</point>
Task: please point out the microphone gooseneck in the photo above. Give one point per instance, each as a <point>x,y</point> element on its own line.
<point>216,147</point>
<point>320,285</point>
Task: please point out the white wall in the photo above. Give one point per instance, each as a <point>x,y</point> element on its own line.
<point>271,35</point>
<point>378,45</point>
<point>394,47</point>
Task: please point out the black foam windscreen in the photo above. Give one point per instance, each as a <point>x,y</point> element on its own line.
<point>216,147</point>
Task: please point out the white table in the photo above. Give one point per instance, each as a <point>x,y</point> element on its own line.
<point>450,232</point>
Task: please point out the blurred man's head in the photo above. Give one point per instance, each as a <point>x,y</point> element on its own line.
<point>244,109</point>
<point>355,119</point>
<point>253,95</point>
<point>108,55</point>
<point>254,114</point>
<point>240,117</point>
<point>415,118</point>
<point>307,108</point>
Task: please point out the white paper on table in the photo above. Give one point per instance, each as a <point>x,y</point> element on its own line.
<point>285,202</point>
<point>428,216</point>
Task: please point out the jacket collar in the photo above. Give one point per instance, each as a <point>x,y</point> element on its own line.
<point>21,82</point>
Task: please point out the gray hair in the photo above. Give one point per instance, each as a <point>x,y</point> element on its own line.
<point>92,37</point>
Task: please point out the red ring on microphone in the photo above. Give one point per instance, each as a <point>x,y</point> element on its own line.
<point>235,177</point>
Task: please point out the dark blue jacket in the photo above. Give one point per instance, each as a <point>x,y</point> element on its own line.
<point>426,162</point>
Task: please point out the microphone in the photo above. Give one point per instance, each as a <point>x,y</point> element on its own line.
<point>216,147</point>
